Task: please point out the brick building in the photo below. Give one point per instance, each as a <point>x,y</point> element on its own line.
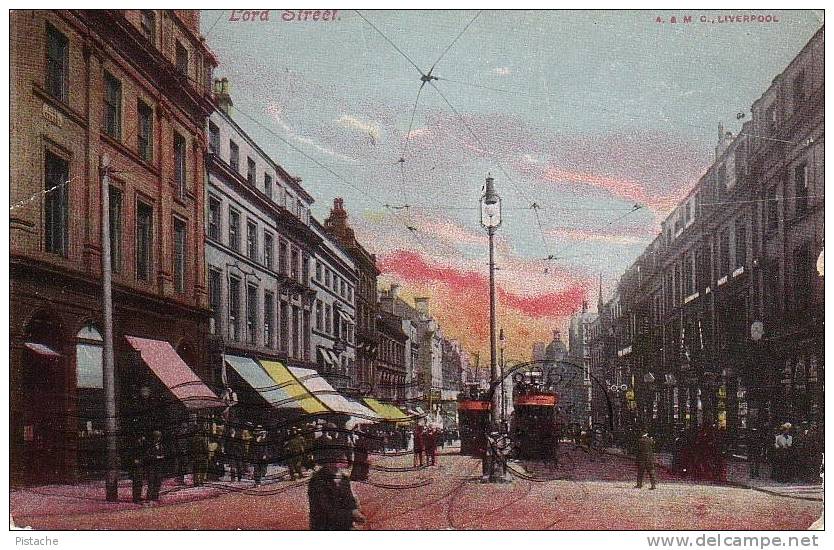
<point>133,85</point>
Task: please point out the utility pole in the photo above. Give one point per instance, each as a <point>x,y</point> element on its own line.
<point>109,368</point>
<point>494,374</point>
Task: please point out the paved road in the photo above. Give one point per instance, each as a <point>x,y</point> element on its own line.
<point>588,491</point>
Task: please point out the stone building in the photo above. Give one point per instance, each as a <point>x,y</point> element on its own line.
<point>133,86</point>
<point>259,248</point>
<point>367,341</point>
<point>334,328</point>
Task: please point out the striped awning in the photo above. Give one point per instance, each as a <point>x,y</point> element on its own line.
<point>295,390</point>
<point>328,357</point>
<point>331,398</point>
<point>387,411</point>
<point>259,380</point>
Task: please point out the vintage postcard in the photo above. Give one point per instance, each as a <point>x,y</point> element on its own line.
<point>480,269</point>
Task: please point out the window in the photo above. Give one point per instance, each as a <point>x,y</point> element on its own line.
<point>282,257</point>
<point>180,235</point>
<point>725,253</point>
<point>269,318</point>
<point>318,270</point>
<point>741,242</point>
<point>179,163</point>
<point>772,210</point>
<point>327,278</point>
<point>800,178</point>
<point>56,204</point>
<point>182,59</point>
<point>328,318</point>
<point>319,315</point>
<point>350,293</point>
<point>89,371</point>
<point>149,25</point>
<point>305,269</point>
<point>268,250</point>
<point>214,138</point>
<point>252,240</point>
<point>284,326</point>
<point>296,333</point>
<point>802,272</point>
<point>145,131</point>
<point>144,241</point>
<point>689,275</point>
<point>234,308</point>
<point>252,314</point>
<point>234,229</point>
<point>115,230</point>
<point>57,63</point>
<point>234,156</point>
<point>250,171</point>
<point>268,185</point>
<point>294,264</point>
<point>215,299</point>
<point>214,218</point>
<point>112,106</point>
<point>798,90</point>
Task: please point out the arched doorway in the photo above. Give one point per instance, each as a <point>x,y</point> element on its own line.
<point>40,411</point>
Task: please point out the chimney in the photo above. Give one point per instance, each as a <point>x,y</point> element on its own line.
<point>422,305</point>
<point>394,290</point>
<point>221,95</point>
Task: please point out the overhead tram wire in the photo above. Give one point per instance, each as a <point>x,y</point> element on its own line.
<point>449,47</point>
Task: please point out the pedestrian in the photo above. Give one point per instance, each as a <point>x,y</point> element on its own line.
<point>155,466</point>
<point>360,467</point>
<point>419,444</point>
<point>199,455</point>
<point>246,438</point>
<point>260,454</point>
<point>215,465</point>
<point>430,438</point>
<point>234,453</point>
<point>297,454</point>
<point>136,466</point>
<point>333,506</point>
<point>645,460</point>
<point>782,453</point>
<point>183,455</point>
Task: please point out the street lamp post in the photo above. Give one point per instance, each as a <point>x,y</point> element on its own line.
<point>502,344</point>
<point>491,220</point>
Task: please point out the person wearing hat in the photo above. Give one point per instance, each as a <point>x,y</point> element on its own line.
<point>333,505</point>
<point>260,453</point>
<point>154,466</point>
<point>645,460</point>
<point>296,452</point>
<point>360,469</point>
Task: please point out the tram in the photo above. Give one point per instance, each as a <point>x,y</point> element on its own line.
<point>474,409</point>
<point>536,424</point>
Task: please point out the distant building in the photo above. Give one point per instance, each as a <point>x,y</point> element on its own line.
<point>580,353</point>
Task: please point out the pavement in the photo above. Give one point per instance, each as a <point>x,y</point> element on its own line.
<point>586,490</point>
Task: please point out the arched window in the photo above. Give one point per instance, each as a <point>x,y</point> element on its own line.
<point>89,358</point>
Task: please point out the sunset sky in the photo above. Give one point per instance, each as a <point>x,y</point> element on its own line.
<point>584,113</point>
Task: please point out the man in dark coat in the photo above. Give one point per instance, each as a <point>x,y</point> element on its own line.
<point>645,460</point>
<point>333,506</point>
<point>136,466</point>
<point>155,466</point>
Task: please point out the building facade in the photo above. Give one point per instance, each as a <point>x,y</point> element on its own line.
<point>579,353</point>
<point>719,321</point>
<point>334,326</point>
<point>259,245</point>
<point>365,295</point>
<point>131,86</point>
<point>391,365</point>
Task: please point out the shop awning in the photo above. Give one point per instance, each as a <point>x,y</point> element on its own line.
<point>296,392</point>
<point>328,357</point>
<point>172,371</point>
<point>260,381</point>
<point>42,350</point>
<point>345,316</point>
<point>334,401</point>
<point>388,412</point>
